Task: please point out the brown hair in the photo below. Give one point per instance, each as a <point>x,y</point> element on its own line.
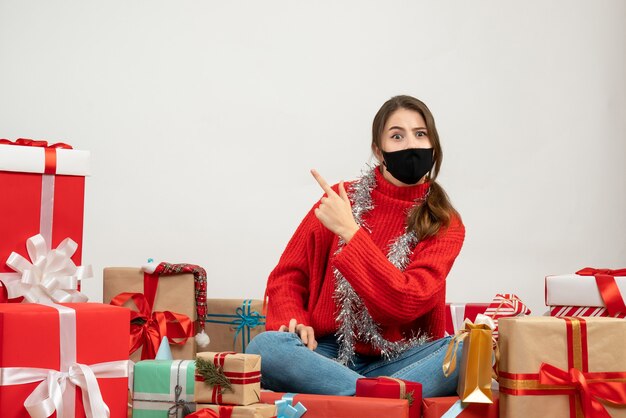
<point>427,218</point>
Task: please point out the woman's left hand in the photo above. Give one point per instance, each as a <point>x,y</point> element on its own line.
<point>335,211</point>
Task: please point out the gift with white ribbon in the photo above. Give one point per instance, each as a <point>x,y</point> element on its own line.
<point>50,276</point>
<point>58,385</point>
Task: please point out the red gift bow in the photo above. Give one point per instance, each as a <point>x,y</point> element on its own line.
<point>589,386</point>
<point>154,325</point>
<point>50,151</point>
<point>204,413</point>
<point>605,280</point>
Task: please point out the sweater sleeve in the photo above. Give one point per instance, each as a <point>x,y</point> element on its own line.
<point>393,296</point>
<point>288,284</point>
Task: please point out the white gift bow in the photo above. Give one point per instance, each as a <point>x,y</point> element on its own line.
<point>50,276</point>
<point>48,395</point>
<point>485,320</point>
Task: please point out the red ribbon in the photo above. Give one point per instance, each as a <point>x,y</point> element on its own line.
<point>50,166</point>
<point>204,413</point>
<point>148,328</point>
<point>589,390</point>
<point>605,280</point>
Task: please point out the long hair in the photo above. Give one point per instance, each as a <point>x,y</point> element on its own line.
<point>425,219</point>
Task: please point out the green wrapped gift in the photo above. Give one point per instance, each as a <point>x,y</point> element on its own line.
<point>163,388</point>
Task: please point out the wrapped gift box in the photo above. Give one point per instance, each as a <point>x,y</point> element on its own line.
<point>386,387</point>
<point>175,293</point>
<point>242,372</point>
<point>588,288</point>
<point>232,323</point>
<point>438,407</point>
<point>548,365</point>
<point>154,393</point>
<point>561,311</point>
<point>257,410</point>
<point>323,406</point>
<point>456,313</point>
<point>91,334</point>
<point>43,192</point>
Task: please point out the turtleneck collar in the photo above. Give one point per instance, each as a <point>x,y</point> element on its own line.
<point>408,193</point>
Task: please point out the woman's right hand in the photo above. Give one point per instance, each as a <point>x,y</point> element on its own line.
<point>306,334</point>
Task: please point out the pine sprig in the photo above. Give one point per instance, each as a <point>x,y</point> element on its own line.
<point>409,396</point>
<point>212,375</point>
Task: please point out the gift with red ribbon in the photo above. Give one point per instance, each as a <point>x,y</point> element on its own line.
<point>179,288</point>
<point>256,410</point>
<point>43,193</point>
<point>560,367</point>
<point>228,378</point>
<point>59,358</point>
<point>589,287</point>
<point>147,328</point>
<point>390,387</point>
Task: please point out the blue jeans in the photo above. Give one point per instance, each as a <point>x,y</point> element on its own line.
<point>287,365</point>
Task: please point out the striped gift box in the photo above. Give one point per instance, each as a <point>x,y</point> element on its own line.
<point>560,311</point>
<point>505,305</point>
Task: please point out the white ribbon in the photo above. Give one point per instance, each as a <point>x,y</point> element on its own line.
<point>51,394</point>
<point>50,276</point>
<point>485,320</point>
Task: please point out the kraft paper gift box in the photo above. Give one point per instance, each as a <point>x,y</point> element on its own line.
<point>257,410</point>
<point>323,406</point>
<point>453,407</point>
<point>588,292</point>
<point>562,367</point>
<point>155,393</point>
<point>174,293</point>
<point>389,387</point>
<point>456,313</point>
<point>232,323</point>
<point>43,188</point>
<point>75,338</point>
<point>228,378</point>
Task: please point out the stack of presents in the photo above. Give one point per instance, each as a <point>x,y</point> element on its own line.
<point>157,347</point>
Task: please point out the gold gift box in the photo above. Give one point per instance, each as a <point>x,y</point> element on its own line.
<point>232,323</point>
<point>257,410</point>
<point>243,372</point>
<point>528,342</point>
<point>175,293</point>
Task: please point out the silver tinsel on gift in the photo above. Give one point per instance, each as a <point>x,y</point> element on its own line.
<point>355,321</point>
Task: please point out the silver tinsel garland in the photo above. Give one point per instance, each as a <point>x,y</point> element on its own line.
<point>355,321</point>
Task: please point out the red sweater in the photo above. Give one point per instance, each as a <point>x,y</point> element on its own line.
<point>302,284</point>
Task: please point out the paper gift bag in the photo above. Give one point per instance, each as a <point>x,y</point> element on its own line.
<point>389,387</point>
<point>228,378</point>
<point>256,410</point>
<point>324,406</point>
<point>562,367</point>
<point>232,323</point>
<point>175,293</point>
<point>87,341</point>
<point>43,189</point>
<point>476,367</point>
<point>163,388</point>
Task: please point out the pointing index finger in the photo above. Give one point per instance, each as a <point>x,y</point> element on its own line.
<point>323,184</point>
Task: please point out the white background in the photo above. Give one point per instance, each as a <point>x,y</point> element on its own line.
<point>204,118</point>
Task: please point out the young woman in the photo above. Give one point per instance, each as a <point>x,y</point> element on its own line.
<point>360,289</point>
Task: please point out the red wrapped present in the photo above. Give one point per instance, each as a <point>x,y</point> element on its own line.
<point>456,313</point>
<point>389,387</point>
<point>43,193</point>
<point>323,406</point>
<point>505,305</point>
<point>60,358</point>
<point>451,406</point>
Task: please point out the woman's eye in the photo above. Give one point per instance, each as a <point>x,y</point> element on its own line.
<point>396,136</point>
<point>420,133</point>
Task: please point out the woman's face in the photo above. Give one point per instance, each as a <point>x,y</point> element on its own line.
<point>404,129</point>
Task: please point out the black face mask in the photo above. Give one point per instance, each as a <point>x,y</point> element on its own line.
<point>409,165</point>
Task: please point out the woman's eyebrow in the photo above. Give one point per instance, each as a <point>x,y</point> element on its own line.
<point>396,127</point>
